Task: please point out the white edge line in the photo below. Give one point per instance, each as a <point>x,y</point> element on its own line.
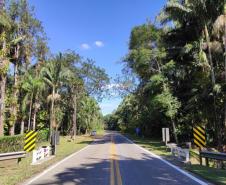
<point>175,167</point>
<point>44,172</point>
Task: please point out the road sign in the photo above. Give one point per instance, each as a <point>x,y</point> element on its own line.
<point>137,130</point>
<point>199,136</point>
<point>29,144</point>
<point>55,138</point>
<point>165,134</point>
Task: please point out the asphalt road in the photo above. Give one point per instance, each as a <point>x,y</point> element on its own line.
<point>114,160</point>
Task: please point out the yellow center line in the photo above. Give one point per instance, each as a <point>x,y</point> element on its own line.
<point>114,156</point>
<point>119,180</point>
<point>112,163</point>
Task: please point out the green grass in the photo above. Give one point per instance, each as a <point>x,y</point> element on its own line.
<point>158,147</point>
<point>217,176</point>
<point>11,173</point>
<point>100,132</point>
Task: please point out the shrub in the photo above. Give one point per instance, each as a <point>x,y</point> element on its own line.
<point>16,143</point>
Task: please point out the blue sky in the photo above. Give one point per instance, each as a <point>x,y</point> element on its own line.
<point>96,29</point>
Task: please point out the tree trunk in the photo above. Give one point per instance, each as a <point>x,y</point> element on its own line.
<point>22,126</point>
<point>35,112</point>
<point>210,56</point>
<point>3,77</point>
<point>174,130</point>
<point>225,74</point>
<point>29,119</point>
<point>2,103</point>
<point>51,116</point>
<point>217,120</point>
<point>15,93</point>
<point>89,121</point>
<point>34,119</point>
<point>74,115</point>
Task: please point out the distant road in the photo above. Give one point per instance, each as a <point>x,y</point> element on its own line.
<point>114,160</point>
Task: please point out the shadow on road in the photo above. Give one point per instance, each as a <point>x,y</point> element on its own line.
<point>144,171</point>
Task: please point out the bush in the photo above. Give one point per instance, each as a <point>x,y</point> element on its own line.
<point>16,143</point>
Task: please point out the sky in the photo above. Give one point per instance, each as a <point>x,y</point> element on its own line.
<point>96,29</point>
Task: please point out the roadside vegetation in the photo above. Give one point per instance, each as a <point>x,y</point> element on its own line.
<point>40,90</point>
<point>158,147</point>
<point>11,173</point>
<point>175,74</point>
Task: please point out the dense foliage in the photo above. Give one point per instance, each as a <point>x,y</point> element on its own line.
<point>180,66</point>
<point>40,90</point>
<point>16,143</point>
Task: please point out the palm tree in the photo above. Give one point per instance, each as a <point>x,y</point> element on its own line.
<point>180,11</point>
<point>219,27</point>
<point>4,64</point>
<point>15,45</point>
<point>32,86</point>
<point>53,72</point>
<point>201,16</point>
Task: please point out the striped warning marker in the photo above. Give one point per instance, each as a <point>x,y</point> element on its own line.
<point>199,136</point>
<point>29,144</point>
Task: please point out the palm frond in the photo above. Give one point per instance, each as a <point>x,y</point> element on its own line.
<point>219,25</point>
<point>53,97</point>
<point>46,71</point>
<point>48,81</point>
<point>165,15</point>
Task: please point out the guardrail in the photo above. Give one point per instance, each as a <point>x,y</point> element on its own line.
<point>41,153</point>
<point>13,155</point>
<point>182,145</point>
<point>181,153</point>
<point>212,155</point>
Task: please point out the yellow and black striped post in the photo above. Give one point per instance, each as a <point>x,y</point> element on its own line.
<point>30,139</point>
<point>199,139</point>
<point>199,136</point>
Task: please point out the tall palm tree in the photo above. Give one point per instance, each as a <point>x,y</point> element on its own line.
<point>32,86</point>
<point>180,11</point>
<point>219,28</point>
<point>4,64</point>
<point>14,46</point>
<point>201,16</point>
<point>53,72</point>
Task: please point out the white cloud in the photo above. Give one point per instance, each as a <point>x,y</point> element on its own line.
<point>85,46</point>
<point>107,105</point>
<point>111,86</point>
<point>99,44</point>
<point>113,93</point>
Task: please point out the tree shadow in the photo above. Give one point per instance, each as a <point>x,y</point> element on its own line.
<point>143,171</point>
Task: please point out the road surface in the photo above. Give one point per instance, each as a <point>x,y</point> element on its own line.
<point>114,160</point>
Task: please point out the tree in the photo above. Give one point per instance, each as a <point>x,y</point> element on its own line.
<point>53,72</point>
<point>4,62</point>
<point>32,86</point>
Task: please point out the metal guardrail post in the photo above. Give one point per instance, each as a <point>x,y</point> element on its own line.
<point>19,161</point>
<point>187,155</point>
<point>200,157</point>
<point>207,161</point>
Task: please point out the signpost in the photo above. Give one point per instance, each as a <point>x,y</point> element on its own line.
<point>29,144</point>
<point>137,131</point>
<point>55,140</point>
<point>199,139</point>
<point>165,135</point>
<point>30,139</point>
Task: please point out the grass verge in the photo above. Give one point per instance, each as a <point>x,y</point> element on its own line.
<point>11,173</point>
<point>217,176</point>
